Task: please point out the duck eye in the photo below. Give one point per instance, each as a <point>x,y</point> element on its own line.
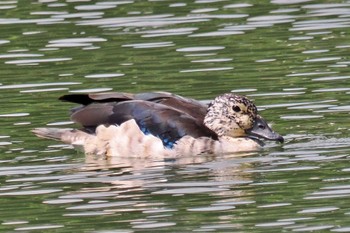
<point>236,108</point>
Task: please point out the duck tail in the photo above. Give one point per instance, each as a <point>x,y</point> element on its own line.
<point>70,136</point>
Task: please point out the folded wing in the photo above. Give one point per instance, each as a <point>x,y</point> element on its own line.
<point>165,115</point>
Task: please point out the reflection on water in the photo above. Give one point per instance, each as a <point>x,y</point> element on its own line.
<point>291,57</point>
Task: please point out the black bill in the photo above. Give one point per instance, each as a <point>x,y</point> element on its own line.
<point>262,130</point>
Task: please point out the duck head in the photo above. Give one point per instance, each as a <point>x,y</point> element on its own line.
<point>236,116</point>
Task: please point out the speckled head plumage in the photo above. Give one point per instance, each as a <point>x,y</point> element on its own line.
<point>230,115</point>
<point>236,116</point>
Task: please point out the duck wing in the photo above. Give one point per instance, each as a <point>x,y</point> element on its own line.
<point>165,122</point>
<point>189,106</point>
<point>86,99</point>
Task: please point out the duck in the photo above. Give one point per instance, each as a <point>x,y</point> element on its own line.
<point>162,124</point>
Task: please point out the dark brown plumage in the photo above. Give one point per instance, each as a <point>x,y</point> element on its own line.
<point>165,115</point>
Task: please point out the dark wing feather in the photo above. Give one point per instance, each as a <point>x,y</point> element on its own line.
<point>166,122</point>
<point>192,107</point>
<point>93,115</point>
<point>86,99</point>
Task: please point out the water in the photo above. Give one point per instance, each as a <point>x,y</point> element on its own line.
<point>291,57</point>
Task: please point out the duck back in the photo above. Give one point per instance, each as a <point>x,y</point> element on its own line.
<point>187,105</point>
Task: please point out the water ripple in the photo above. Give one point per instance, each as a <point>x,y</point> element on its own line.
<point>310,74</point>
<point>318,210</point>
<point>316,51</point>
<point>274,205</point>
<point>20,55</point>
<point>149,45</point>
<point>277,94</point>
<point>190,190</point>
<point>35,169</point>
<point>9,21</point>
<point>87,15</point>
<point>312,106</point>
<point>339,89</point>
<point>19,114</point>
<point>341,229</point>
<point>217,33</point>
<point>74,42</point>
<point>299,117</point>
<point>18,222</point>
<point>271,19</point>
<point>203,10</point>
<point>274,224</point>
<point>206,69</point>
<point>328,194</point>
<point>153,225</point>
<point>102,205</point>
<point>325,5</point>
<point>301,38</point>
<point>322,59</point>
<point>37,61</point>
<point>5,143</point>
<point>319,24</point>
<point>181,4</point>
<point>300,168</point>
<point>4,42</point>
<point>211,208</point>
<point>313,228</point>
<point>287,2</point>
<point>89,213</point>
<point>38,227</point>
<point>149,21</point>
<point>239,28</point>
<point>91,90</point>
<point>200,49</point>
<point>104,75</point>
<point>30,85</point>
<point>212,60</point>
<point>331,78</point>
<point>30,192</point>
<point>96,7</point>
<point>237,5</point>
<point>44,90</point>
<point>168,32</point>
<point>64,201</point>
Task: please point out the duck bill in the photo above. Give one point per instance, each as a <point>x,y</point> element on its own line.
<point>262,130</point>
